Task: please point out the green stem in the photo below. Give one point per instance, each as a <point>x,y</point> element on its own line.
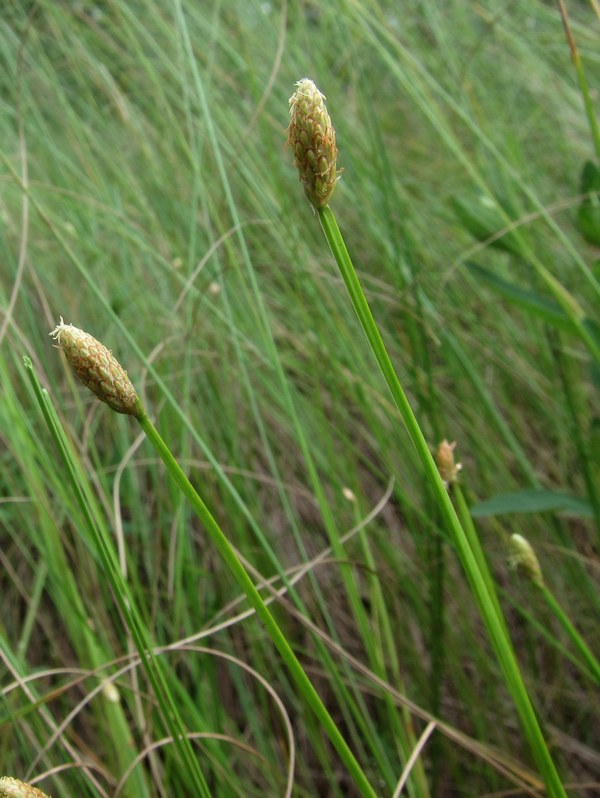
<point>581,79</point>
<point>466,519</point>
<point>227,551</point>
<point>572,632</point>
<point>122,594</point>
<point>486,600</point>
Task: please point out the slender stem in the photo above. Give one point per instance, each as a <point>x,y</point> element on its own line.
<point>124,599</point>
<point>243,579</point>
<point>466,520</point>
<point>572,632</point>
<point>482,589</point>
<point>581,79</point>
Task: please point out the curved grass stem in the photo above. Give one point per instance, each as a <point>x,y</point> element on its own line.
<point>483,589</point>
<point>577,640</point>
<point>305,686</point>
<point>154,669</point>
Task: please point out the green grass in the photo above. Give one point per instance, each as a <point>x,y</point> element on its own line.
<point>147,197</point>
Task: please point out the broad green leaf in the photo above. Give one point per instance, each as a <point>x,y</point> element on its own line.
<point>594,443</point>
<point>533,501</point>
<point>545,309</point>
<point>482,218</point>
<point>588,216</point>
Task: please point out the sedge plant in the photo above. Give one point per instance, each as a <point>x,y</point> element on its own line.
<point>311,136</point>
<point>523,557</point>
<point>100,371</point>
<point>106,376</point>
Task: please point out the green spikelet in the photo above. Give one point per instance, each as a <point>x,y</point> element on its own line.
<point>13,788</point>
<point>523,556</point>
<point>97,368</point>
<point>312,139</point>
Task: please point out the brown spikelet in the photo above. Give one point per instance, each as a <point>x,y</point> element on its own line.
<point>312,139</point>
<point>97,368</point>
<point>444,457</point>
<point>13,788</point>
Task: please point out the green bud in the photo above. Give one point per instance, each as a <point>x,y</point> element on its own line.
<point>523,556</point>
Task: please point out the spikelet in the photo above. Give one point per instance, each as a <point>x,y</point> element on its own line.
<point>444,457</point>
<point>523,557</point>
<point>97,368</point>
<point>13,788</point>
<point>312,139</point>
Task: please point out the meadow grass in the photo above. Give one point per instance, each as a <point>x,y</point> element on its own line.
<point>148,198</point>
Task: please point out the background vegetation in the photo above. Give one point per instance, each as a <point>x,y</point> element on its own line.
<point>147,197</point>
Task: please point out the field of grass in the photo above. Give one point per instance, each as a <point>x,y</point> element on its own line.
<point>147,197</point>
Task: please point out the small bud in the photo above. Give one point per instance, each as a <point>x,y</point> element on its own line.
<point>348,495</point>
<point>13,788</point>
<point>444,457</point>
<point>97,368</point>
<point>523,556</point>
<point>312,139</point>
<point>111,693</point>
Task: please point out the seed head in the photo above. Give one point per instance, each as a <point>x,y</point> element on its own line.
<point>97,368</point>
<point>13,788</point>
<point>523,556</point>
<point>444,457</point>
<point>312,139</point>
<point>348,495</point>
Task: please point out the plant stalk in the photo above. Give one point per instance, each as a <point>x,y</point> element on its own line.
<point>577,640</point>
<point>482,588</point>
<point>228,553</point>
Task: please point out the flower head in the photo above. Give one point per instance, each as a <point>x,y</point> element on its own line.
<point>97,368</point>
<point>13,788</point>
<point>444,457</point>
<point>523,556</point>
<point>312,138</point>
